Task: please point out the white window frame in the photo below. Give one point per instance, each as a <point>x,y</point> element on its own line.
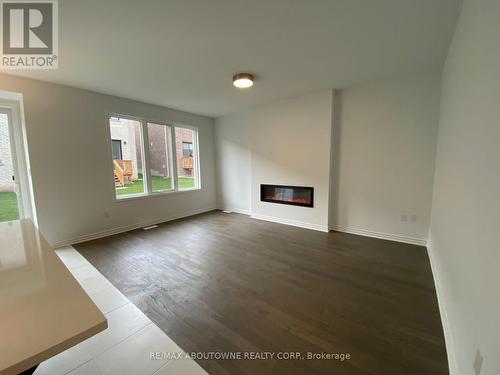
<point>172,159</point>
<point>196,156</point>
<point>13,106</point>
<point>146,175</point>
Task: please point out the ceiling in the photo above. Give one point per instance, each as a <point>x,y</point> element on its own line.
<point>182,53</point>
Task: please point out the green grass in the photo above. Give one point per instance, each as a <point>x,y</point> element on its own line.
<point>158,183</point>
<point>8,206</point>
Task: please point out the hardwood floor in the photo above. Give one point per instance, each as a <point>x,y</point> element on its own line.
<point>228,283</point>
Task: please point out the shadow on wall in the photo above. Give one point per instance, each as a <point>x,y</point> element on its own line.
<point>335,155</point>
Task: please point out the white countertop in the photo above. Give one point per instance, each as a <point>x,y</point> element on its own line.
<point>43,309</point>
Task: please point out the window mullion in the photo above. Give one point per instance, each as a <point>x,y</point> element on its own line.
<point>146,173</point>
<point>196,158</point>
<point>173,150</point>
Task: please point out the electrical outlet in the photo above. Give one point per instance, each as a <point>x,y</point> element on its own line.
<point>478,362</point>
<point>404,217</point>
<point>106,214</point>
<point>413,218</point>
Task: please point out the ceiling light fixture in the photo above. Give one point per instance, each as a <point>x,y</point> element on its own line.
<point>243,80</point>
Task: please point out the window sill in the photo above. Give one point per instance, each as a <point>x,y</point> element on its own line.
<point>133,197</point>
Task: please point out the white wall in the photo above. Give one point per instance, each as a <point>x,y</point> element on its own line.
<point>68,135</point>
<point>233,155</point>
<point>291,146</point>
<point>385,136</point>
<point>379,155</point>
<point>284,143</point>
<point>464,242</point>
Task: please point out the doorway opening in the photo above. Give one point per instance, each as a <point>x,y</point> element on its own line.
<point>9,192</point>
<point>16,188</point>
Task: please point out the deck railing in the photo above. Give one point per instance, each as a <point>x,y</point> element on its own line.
<point>119,173</point>
<point>123,170</point>
<point>187,162</point>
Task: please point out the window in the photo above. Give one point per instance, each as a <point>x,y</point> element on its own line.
<point>116,145</point>
<point>160,159</point>
<point>186,161</point>
<point>126,146</point>
<point>151,158</point>
<point>187,149</point>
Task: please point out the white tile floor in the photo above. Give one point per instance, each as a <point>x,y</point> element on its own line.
<point>125,347</point>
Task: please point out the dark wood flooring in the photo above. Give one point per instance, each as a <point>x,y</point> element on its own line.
<point>228,283</point>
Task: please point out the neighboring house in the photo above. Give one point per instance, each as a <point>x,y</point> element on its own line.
<point>6,167</point>
<point>184,151</point>
<point>123,142</point>
<point>126,141</point>
<point>158,154</point>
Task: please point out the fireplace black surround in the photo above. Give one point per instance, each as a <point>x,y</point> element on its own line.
<point>284,194</point>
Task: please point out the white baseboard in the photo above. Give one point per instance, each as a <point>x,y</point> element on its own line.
<point>295,223</point>
<point>384,236</point>
<point>126,228</point>
<point>450,347</point>
<point>237,210</point>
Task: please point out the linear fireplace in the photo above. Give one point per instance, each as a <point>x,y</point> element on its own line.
<point>283,194</point>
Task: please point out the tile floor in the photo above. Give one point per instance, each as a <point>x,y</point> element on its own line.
<point>125,347</point>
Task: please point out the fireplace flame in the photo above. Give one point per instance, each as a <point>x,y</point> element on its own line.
<point>287,199</point>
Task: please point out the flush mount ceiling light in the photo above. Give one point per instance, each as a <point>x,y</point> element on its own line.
<point>243,80</point>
